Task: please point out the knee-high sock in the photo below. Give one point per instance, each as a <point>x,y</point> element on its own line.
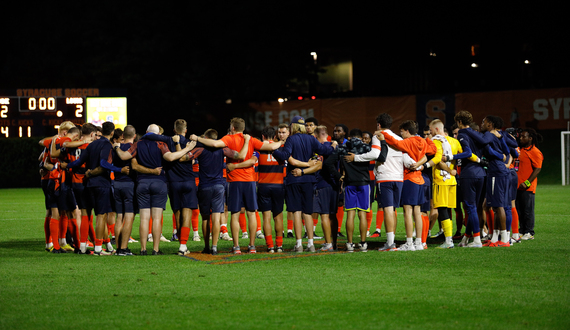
<point>515,223</point>
<point>425,228</point>
<point>508,218</point>
<point>380,220</point>
<point>54,232</point>
<point>340,216</point>
<point>258,219</point>
<point>279,240</point>
<point>269,241</point>
<point>369,219</point>
<point>63,223</point>
<point>184,235</point>
<point>91,229</point>
<point>46,230</point>
<point>490,220</point>
<point>84,230</point>
<point>447,227</point>
<point>195,219</point>
<point>242,223</point>
<point>75,232</point>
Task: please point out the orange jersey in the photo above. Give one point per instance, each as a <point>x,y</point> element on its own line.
<point>270,171</point>
<point>196,169</point>
<point>529,159</point>
<point>235,142</point>
<point>416,148</point>
<point>78,174</point>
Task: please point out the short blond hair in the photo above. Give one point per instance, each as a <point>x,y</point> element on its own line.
<point>298,128</point>
<point>65,126</point>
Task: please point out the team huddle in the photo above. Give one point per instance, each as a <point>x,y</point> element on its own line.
<point>114,174</point>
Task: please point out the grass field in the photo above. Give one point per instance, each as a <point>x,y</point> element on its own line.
<point>526,286</point>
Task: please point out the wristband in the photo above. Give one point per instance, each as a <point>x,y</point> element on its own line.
<point>527,183</point>
<point>177,143</point>
<point>427,165</point>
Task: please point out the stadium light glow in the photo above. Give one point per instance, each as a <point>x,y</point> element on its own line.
<point>474,65</point>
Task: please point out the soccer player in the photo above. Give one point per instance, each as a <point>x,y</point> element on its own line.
<point>211,188</point>
<point>241,182</point>
<point>530,164</point>
<point>270,192</point>
<point>412,192</point>
<point>282,135</point>
<point>299,196</point>
<point>311,124</point>
<point>444,183</point>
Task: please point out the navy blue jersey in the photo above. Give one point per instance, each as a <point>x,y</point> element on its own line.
<point>211,164</point>
<point>469,169</point>
<point>97,153</point>
<point>149,154</point>
<point>117,161</point>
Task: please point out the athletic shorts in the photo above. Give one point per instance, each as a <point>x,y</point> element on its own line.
<point>183,195</point>
<point>242,194</point>
<point>444,196</point>
<point>124,194</point>
<point>426,187</point>
<point>271,197</point>
<point>100,198</point>
<point>497,191</point>
<point>211,200</point>
<point>82,197</point>
<point>513,185</point>
<point>389,193</point>
<point>325,201</point>
<point>372,192</point>
<point>357,198</point>
<point>412,193</point>
<point>151,193</point>
<point>471,190</point>
<point>300,197</point>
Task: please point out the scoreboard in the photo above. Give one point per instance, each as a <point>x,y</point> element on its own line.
<point>38,112</point>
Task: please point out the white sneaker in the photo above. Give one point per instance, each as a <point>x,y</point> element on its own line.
<point>387,247</point>
<point>226,237</point>
<point>259,235</point>
<point>349,247</point>
<point>419,247</point>
<point>474,245</point>
<point>196,238</point>
<point>368,234</point>
<point>527,237</point>
<point>406,247</point>
<point>163,239</point>
<point>446,246</point>
<point>244,235</point>
<point>363,247</point>
<point>149,238</point>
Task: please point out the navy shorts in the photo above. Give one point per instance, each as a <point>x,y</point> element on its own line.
<point>151,193</point>
<point>357,198</point>
<point>82,197</point>
<point>242,194</point>
<point>389,193</point>
<point>513,185</point>
<point>412,193</point>
<point>300,197</point>
<point>271,197</point>
<point>183,195</point>
<point>124,194</point>
<point>372,191</point>
<point>100,199</point>
<point>471,190</point>
<point>497,190</point>
<point>426,187</point>
<point>211,200</point>
<point>325,201</point>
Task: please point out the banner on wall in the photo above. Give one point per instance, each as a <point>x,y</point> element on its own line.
<point>354,113</point>
<point>431,107</point>
<point>540,109</point>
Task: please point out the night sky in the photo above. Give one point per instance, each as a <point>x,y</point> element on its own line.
<point>171,57</point>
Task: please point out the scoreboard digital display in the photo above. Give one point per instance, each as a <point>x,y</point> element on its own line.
<point>38,112</point>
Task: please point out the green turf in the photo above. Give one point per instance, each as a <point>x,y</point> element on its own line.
<point>524,286</point>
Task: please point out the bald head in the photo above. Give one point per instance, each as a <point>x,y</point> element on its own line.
<point>152,128</point>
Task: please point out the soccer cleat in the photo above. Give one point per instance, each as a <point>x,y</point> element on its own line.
<point>226,237</point>
<point>349,247</point>
<point>298,249</point>
<point>271,250</point>
<point>102,253</point>
<point>425,246</point>
<point>439,233</point>
<point>182,252</point>
<point>207,250</point>
<point>196,237</point>
<point>57,251</point>
<point>236,250</point>
<point>488,243</point>
<point>290,234</point>
<point>143,253</point>
<point>251,249</point>
<point>88,252</point>
<point>376,234</point>
<point>310,248</point>
<point>157,253</point>
<point>474,245</point>
<point>406,247</point>
<point>125,252</point>
<point>89,244</point>
<point>340,234</point>
<point>67,248</point>
<point>513,240</point>
<point>259,235</point>
<point>363,247</point>
<point>132,240</point>
<point>327,247</point>
<point>174,238</point>
<point>462,244</point>
<point>244,235</point>
<point>279,249</point>
<point>419,247</point>
<point>446,246</point>
<point>527,237</point>
<point>214,250</point>
<point>386,247</point>
<point>502,244</point>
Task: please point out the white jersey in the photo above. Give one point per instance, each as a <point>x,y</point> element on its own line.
<point>393,168</point>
